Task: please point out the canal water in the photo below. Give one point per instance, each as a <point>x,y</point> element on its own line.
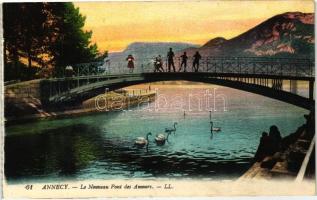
<point>101,146</point>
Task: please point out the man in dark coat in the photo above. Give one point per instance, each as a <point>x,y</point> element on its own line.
<point>197,57</point>
<point>170,60</point>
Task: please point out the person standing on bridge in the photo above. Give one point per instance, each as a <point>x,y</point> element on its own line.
<point>170,60</point>
<point>197,57</point>
<point>130,60</point>
<point>184,58</point>
<point>158,64</point>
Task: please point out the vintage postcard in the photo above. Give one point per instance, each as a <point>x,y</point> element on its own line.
<point>158,99</point>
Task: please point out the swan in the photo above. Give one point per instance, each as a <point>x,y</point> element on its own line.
<point>217,129</point>
<point>171,129</point>
<point>160,138</point>
<point>141,141</point>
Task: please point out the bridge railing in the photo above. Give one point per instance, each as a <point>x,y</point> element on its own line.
<point>253,65</point>
<point>88,75</point>
<point>238,65</point>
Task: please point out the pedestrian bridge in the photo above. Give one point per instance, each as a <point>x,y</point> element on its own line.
<point>274,78</point>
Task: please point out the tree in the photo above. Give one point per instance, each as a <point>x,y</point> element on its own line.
<point>24,30</point>
<point>11,31</point>
<point>45,34</point>
<point>101,56</point>
<point>22,39</point>
<point>72,44</point>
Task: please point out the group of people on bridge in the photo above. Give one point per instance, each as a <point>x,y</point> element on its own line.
<point>158,62</point>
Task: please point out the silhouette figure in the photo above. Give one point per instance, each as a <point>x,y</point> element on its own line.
<point>197,57</point>
<point>158,64</point>
<point>276,139</point>
<point>130,60</point>
<point>264,148</point>
<point>170,60</point>
<point>269,143</point>
<point>184,58</point>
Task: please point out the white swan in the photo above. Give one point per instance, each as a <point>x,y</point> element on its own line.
<point>160,138</point>
<point>171,129</point>
<point>141,141</point>
<point>217,129</point>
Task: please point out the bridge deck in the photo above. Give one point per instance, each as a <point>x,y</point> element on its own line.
<point>60,90</point>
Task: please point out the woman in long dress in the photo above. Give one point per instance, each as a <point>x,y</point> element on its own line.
<point>130,60</point>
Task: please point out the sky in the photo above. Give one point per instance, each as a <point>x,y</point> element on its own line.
<point>117,24</point>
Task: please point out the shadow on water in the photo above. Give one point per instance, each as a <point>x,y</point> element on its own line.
<point>177,164</point>
<point>65,152</point>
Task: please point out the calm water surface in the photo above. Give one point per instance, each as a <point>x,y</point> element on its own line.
<point>100,146</point>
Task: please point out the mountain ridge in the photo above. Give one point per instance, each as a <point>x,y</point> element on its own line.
<point>290,34</point>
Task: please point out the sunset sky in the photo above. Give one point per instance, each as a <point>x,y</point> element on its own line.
<point>117,24</point>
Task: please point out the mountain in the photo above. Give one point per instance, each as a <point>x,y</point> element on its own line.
<point>144,52</point>
<point>289,35</point>
<point>151,49</point>
<point>215,43</point>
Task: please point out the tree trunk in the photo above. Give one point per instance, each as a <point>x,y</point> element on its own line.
<point>29,59</point>
<point>16,63</point>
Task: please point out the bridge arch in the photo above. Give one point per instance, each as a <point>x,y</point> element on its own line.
<point>99,85</point>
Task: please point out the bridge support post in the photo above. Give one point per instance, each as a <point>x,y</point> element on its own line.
<point>311,90</point>
<point>293,86</point>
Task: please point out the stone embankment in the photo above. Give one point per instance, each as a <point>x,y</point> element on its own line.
<point>22,102</point>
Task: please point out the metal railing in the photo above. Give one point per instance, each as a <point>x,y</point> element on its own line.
<point>236,65</point>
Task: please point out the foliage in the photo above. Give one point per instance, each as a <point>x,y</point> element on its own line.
<point>304,48</point>
<point>72,44</point>
<point>45,34</point>
<point>102,56</point>
<point>26,73</point>
<point>22,38</point>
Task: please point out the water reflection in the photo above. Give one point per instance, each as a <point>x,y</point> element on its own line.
<point>63,150</point>
<point>101,146</point>
<point>73,151</point>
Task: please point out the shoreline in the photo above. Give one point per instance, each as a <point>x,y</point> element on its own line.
<point>287,163</point>
<point>88,107</point>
